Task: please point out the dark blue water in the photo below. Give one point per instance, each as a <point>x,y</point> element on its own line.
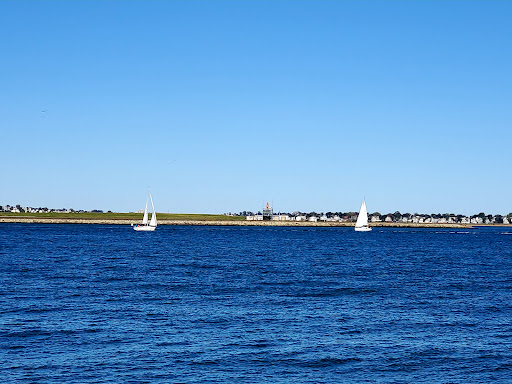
<point>106,304</point>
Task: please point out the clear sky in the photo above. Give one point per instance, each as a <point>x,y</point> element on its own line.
<point>223,105</point>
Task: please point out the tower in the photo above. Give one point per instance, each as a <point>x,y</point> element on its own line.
<point>268,213</point>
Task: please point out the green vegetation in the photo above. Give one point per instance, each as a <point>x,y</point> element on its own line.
<point>121,216</point>
<point>196,216</point>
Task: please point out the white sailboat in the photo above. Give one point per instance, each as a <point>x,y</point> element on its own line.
<point>145,226</point>
<point>362,219</point>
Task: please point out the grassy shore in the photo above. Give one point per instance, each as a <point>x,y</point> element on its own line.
<point>119,216</point>
<point>191,219</point>
<point>180,219</point>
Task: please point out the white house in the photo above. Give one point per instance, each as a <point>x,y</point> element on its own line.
<point>255,218</point>
<point>281,217</point>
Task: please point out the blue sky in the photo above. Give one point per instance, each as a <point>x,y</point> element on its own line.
<point>222,105</point>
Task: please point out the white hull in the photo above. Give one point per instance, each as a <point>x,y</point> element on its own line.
<point>363,229</point>
<point>147,228</point>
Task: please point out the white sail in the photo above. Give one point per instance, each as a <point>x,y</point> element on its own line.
<point>153,215</point>
<point>362,218</point>
<point>145,218</point>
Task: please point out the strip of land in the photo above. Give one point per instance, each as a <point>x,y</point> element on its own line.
<point>195,219</point>
<point>217,223</point>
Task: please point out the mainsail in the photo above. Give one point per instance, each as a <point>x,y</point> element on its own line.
<point>153,215</point>
<point>145,217</point>
<point>362,219</point>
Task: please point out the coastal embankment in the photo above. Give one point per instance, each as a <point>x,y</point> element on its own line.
<point>54,220</point>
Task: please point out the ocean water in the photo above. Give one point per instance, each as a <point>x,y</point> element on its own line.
<point>106,304</point>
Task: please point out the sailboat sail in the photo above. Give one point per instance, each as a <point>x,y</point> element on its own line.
<point>145,217</point>
<point>362,219</point>
<point>153,215</point>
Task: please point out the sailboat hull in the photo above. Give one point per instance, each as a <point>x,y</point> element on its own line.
<point>363,229</point>
<point>144,228</point>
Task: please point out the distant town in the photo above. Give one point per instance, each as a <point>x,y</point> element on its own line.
<point>19,209</point>
<point>268,214</point>
<point>397,217</point>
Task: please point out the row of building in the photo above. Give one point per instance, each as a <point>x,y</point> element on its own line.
<point>417,219</point>
<point>376,217</point>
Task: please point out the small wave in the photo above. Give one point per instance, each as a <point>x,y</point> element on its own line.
<point>204,362</point>
<point>214,320</point>
<point>338,292</point>
<point>503,367</point>
<point>328,362</point>
<point>260,343</point>
<point>42,309</point>
<point>26,333</point>
<point>16,347</point>
<point>171,343</point>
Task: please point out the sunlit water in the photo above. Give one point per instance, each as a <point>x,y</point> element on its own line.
<point>106,304</point>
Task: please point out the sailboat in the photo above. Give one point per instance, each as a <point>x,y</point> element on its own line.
<point>145,226</point>
<point>362,219</point>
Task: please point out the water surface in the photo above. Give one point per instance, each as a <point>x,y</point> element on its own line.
<point>106,304</point>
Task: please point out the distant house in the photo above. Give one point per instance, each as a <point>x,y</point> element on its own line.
<point>313,219</point>
<point>280,217</point>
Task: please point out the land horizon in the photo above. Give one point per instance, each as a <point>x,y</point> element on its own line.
<point>202,219</point>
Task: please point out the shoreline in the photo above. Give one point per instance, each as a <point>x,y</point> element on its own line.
<point>235,223</point>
